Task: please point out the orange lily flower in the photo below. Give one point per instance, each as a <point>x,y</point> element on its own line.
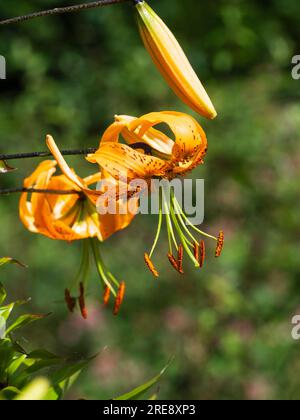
<point>171,61</point>
<point>148,154</point>
<point>71,216</point>
<point>169,158</point>
<point>67,211</point>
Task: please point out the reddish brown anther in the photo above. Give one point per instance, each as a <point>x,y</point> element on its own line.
<point>220,244</point>
<point>70,301</point>
<point>173,261</point>
<point>119,298</point>
<point>202,254</point>
<point>82,306</point>
<point>180,259</point>
<point>106,296</point>
<point>151,265</point>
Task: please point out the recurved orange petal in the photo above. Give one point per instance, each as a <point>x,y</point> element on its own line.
<point>121,161</point>
<point>66,170</point>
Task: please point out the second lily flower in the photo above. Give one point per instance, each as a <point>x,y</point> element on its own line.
<point>148,154</point>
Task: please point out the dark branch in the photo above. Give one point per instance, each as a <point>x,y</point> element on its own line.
<point>61,10</point>
<point>38,191</point>
<point>46,154</point>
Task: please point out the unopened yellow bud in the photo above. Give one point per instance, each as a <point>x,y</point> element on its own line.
<point>172,62</point>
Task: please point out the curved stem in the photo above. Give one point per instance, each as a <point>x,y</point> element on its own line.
<point>61,10</point>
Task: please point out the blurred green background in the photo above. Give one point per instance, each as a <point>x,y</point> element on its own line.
<point>229,325</point>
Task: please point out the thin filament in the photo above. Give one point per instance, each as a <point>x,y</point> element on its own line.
<point>191,224</point>
<point>158,227</point>
<point>99,266</point>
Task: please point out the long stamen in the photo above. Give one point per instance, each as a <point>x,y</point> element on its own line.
<point>190,224</point>
<point>178,211</point>
<point>181,234</point>
<point>82,274</point>
<point>169,239</point>
<point>112,278</point>
<point>184,241</point>
<point>99,266</point>
<point>196,250</point>
<point>169,223</point>
<point>160,218</point>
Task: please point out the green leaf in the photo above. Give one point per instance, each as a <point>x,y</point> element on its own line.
<point>9,260</point>
<point>141,390</point>
<point>34,365</point>
<point>56,392</point>
<point>2,294</point>
<point>7,352</point>
<point>22,321</point>
<point>5,311</point>
<point>41,354</point>
<point>68,371</point>
<point>35,391</point>
<point>41,359</point>
<point>5,168</point>
<point>64,378</point>
<point>154,396</point>
<point>9,393</point>
<point>14,366</point>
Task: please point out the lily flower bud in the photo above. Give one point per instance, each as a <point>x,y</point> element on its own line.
<point>172,62</point>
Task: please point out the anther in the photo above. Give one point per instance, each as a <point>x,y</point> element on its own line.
<point>82,306</point>
<point>202,254</point>
<point>106,296</point>
<point>173,261</point>
<point>119,298</point>
<point>220,244</point>
<point>151,265</point>
<point>180,259</point>
<point>70,301</point>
